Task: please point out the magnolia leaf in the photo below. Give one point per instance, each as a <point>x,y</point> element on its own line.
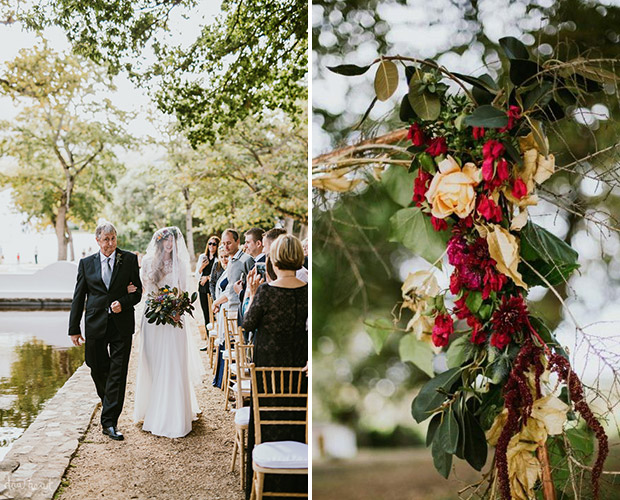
<point>368,110</point>
<point>412,228</point>
<point>540,96</point>
<point>406,112</point>
<point>398,184</point>
<point>459,351</point>
<point>441,460</point>
<point>553,258</point>
<point>522,71</point>
<point>482,96</point>
<point>552,412</point>
<point>348,69</point>
<point>448,432</point>
<point>432,428</point>
<point>487,116</point>
<point>504,250</point>
<point>417,352</point>
<point>426,105</point>
<point>483,82</point>
<point>542,143</point>
<point>475,443</point>
<point>379,331</point>
<point>386,80</point>
<point>513,48</point>
<point>432,394</point>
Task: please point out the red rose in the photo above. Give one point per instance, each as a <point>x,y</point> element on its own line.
<point>416,135</point>
<point>444,327</point>
<point>437,146</point>
<point>489,209</point>
<point>477,132</point>
<point>519,189</point>
<point>420,186</point>
<point>493,149</point>
<point>503,170</point>
<point>438,224</point>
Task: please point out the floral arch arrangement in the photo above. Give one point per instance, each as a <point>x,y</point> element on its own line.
<point>478,155</point>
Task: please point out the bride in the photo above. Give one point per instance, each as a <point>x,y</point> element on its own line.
<point>168,364</point>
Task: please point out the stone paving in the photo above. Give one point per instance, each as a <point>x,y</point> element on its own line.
<point>34,466</point>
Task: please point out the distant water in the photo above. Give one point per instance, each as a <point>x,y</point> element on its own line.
<point>36,359</point>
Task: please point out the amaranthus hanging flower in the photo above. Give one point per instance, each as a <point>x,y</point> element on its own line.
<point>416,135</point>
<point>509,319</point>
<point>444,327</point>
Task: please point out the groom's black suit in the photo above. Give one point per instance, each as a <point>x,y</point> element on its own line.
<point>108,335</point>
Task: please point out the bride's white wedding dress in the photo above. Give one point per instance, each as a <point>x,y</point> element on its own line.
<point>168,366</point>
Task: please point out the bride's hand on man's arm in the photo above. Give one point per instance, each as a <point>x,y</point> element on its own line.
<point>131,288</point>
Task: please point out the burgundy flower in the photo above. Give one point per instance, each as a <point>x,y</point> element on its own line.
<point>519,189</point>
<point>438,224</point>
<point>493,282</point>
<point>489,209</point>
<point>478,336</point>
<point>510,318</point>
<point>437,146</point>
<point>460,309</point>
<point>420,186</point>
<point>457,250</point>
<point>455,282</point>
<point>477,132</point>
<point>416,135</point>
<point>444,327</point>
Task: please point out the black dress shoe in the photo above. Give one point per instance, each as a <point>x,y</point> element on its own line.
<point>113,434</point>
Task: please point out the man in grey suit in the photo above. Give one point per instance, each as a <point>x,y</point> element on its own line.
<point>239,264</point>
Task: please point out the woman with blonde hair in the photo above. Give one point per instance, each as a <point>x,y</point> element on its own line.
<point>278,313</point>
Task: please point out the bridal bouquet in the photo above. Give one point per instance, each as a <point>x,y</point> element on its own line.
<point>477,157</point>
<point>167,303</point>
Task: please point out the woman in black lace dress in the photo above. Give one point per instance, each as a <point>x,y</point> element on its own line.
<point>278,313</point>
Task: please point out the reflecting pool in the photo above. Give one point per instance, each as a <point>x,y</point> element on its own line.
<point>36,359</point>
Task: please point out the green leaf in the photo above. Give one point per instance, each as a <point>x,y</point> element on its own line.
<point>459,351</point>
<point>487,116</point>
<point>368,110</point>
<point>432,428</point>
<point>379,331</point>
<point>349,69</point>
<point>474,301</point>
<point>550,256</point>
<point>448,432</point>
<point>426,105</point>
<point>417,352</point>
<point>412,228</point>
<point>427,163</point>
<point>540,95</point>
<point>406,112</point>
<point>386,80</point>
<point>513,48</point>
<point>441,460</point>
<point>431,395</point>
<point>475,442</point>
<point>522,71</point>
<point>484,82</point>
<point>482,96</point>
<point>399,184</point>
<point>547,335</point>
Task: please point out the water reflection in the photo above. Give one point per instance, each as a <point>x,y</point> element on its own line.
<point>37,371</point>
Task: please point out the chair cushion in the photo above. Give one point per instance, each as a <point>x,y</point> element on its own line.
<point>245,385</point>
<point>281,455</point>
<point>242,416</point>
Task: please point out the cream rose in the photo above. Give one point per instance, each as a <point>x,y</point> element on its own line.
<point>452,189</point>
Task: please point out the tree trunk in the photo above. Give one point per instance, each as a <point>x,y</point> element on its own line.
<point>60,232</point>
<point>189,228</point>
<point>71,249</point>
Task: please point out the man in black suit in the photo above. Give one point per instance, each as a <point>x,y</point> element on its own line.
<point>102,282</point>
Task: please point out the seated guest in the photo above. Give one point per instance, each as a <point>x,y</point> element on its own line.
<point>278,312</point>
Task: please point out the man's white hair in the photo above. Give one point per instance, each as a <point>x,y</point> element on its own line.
<point>104,227</point>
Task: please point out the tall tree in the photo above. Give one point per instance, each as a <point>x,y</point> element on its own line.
<point>253,57</point>
<point>62,143</point>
